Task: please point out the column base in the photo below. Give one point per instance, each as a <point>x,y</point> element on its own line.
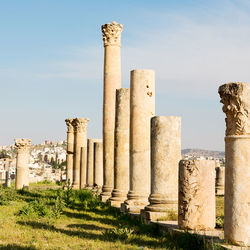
<point>219,191</point>
<point>106,193</point>
<point>134,205</point>
<point>75,186</point>
<point>117,198</point>
<point>148,216</point>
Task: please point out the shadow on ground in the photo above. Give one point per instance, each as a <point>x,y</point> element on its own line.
<point>15,247</point>
<point>87,235</point>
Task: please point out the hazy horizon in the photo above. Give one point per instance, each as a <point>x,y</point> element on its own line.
<point>51,64</point>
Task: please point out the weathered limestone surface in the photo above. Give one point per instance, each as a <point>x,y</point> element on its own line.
<point>121,165</point>
<point>236,105</point>
<point>220,180</point>
<point>83,168</point>
<point>142,109</point>
<point>112,81</point>
<point>165,157</point>
<point>70,151</point>
<point>22,161</point>
<point>90,162</point>
<point>196,201</point>
<point>80,134</point>
<point>98,166</point>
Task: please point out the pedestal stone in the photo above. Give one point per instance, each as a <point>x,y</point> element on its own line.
<point>142,109</point>
<point>90,162</point>
<point>165,157</point>
<point>236,100</point>
<point>80,131</point>
<point>220,180</point>
<point>83,168</point>
<point>112,81</point>
<point>22,161</point>
<point>196,201</point>
<point>98,166</point>
<point>70,151</point>
<point>121,166</point>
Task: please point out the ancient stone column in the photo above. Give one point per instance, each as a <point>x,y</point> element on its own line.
<point>22,161</point>
<point>112,81</point>
<point>196,201</point>
<point>70,151</point>
<point>236,100</point>
<point>165,157</point>
<point>90,162</point>
<point>142,109</point>
<point>83,168</point>
<point>121,164</point>
<point>220,180</point>
<point>7,173</point>
<point>98,166</point>
<point>80,140</point>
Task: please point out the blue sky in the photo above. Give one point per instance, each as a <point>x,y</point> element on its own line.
<point>51,62</point>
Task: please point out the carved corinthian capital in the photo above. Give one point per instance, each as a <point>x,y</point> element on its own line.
<point>22,145</point>
<point>80,124</point>
<point>112,33</point>
<point>69,123</point>
<point>236,99</point>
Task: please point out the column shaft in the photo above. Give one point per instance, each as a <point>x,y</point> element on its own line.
<point>70,151</point>
<point>90,162</point>
<point>220,180</point>
<point>22,161</point>
<point>98,165</point>
<point>142,109</point>
<point>80,130</point>
<point>112,81</point>
<point>236,99</point>
<point>83,166</point>
<point>165,157</point>
<point>121,163</point>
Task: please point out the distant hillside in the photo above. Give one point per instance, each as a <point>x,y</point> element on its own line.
<point>202,152</point>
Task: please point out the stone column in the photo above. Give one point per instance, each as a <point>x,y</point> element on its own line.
<point>70,151</point>
<point>80,135</point>
<point>165,157</point>
<point>22,161</point>
<point>236,100</point>
<point>142,109</point>
<point>90,162</point>
<point>196,201</point>
<point>98,166</point>
<point>83,168</point>
<point>220,180</point>
<point>121,164</point>
<point>7,173</point>
<point>112,81</point>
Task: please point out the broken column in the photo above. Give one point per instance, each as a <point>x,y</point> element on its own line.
<point>165,157</point>
<point>83,168</point>
<point>142,109</point>
<point>90,162</point>
<point>121,164</point>
<point>196,201</point>
<point>22,161</point>
<point>112,81</point>
<point>220,180</point>
<point>236,105</point>
<point>70,151</point>
<point>80,134</point>
<point>98,166</point>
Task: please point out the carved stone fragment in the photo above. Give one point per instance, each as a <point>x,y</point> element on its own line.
<point>196,201</point>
